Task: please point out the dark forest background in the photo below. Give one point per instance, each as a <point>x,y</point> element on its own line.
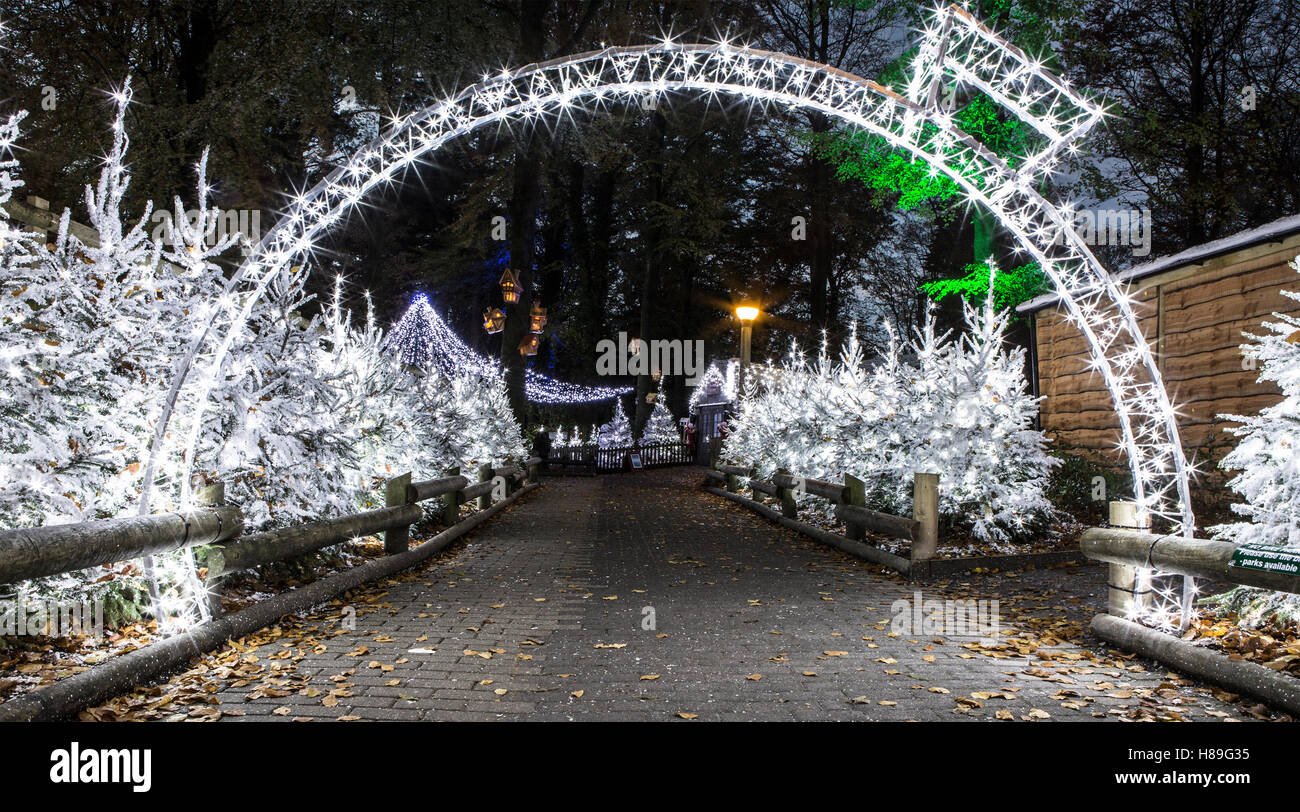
<point>651,220</point>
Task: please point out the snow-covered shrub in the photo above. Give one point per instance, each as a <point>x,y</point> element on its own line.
<point>617,433</point>
<point>960,409</point>
<point>1267,460</point>
<point>308,415</point>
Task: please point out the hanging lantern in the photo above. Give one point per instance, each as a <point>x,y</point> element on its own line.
<point>529,345</point>
<point>538,318</point>
<point>494,320</point>
<point>651,397</point>
<point>510,286</point>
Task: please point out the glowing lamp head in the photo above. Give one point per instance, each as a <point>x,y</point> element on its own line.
<point>494,320</point>
<point>510,286</point>
<point>746,313</point>
<point>529,345</point>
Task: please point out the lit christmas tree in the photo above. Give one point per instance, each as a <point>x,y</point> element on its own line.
<point>1267,460</point>
<point>90,334</point>
<point>662,426</point>
<point>424,341</point>
<point>617,433</point>
<point>308,416</point>
<point>961,410</point>
<point>712,380</point>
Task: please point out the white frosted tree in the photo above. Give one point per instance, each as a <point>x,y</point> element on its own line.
<point>961,409</point>
<point>99,323</point>
<point>91,332</point>
<point>1267,458</point>
<point>803,417</point>
<point>473,393</point>
<point>1267,462</point>
<point>712,379</point>
<point>662,426</point>
<point>965,412</point>
<point>617,433</point>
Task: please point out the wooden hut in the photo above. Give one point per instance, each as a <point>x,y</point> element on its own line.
<point>1193,307</point>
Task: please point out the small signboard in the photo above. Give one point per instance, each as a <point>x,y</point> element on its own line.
<point>635,459</point>
<point>1266,559</point>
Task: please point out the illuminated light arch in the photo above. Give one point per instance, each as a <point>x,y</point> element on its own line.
<point>956,51</point>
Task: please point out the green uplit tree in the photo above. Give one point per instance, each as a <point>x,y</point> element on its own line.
<point>1010,287</point>
<point>876,163</point>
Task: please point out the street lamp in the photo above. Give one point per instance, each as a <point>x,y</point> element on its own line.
<point>746,313</point>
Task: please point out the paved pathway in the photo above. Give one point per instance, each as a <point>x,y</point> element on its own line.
<point>640,597</point>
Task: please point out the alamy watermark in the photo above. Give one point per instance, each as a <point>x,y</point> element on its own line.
<point>677,357</point>
<point>229,222</point>
<point>1120,227</point>
<point>970,618</point>
<point>75,764</point>
<point>20,618</point>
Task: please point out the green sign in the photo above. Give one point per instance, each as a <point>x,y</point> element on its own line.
<point>1266,559</point>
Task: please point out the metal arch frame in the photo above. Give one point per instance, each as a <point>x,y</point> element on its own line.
<point>958,48</point>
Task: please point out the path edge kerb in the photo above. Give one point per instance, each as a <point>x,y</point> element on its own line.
<point>119,675</point>
<point>1242,676</point>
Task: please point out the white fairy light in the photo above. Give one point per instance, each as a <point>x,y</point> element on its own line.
<point>423,340</point>
<point>955,48</point>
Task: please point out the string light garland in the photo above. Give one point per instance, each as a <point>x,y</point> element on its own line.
<point>424,340</point>
<point>955,50</point>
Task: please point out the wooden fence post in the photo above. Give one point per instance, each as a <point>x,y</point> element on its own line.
<point>485,475</point>
<point>857,494</point>
<point>785,496</point>
<point>451,500</point>
<point>212,494</point>
<point>925,512</point>
<point>534,470</point>
<point>398,539</point>
<point>1129,590</point>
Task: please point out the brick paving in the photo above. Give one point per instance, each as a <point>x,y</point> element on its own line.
<point>641,597</point>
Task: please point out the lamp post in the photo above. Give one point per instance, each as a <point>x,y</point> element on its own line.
<point>746,313</point>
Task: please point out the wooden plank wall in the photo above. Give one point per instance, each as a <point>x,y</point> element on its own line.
<point>1195,316</point>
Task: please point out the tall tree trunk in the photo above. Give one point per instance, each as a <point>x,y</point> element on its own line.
<point>823,247</point>
<point>590,227</point>
<point>524,201</point>
<point>556,251</point>
<point>653,260</point>
<point>984,227</point>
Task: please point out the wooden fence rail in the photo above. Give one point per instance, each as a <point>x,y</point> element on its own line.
<point>428,489</point>
<point>1132,554</point>
<point>1128,550</point>
<point>27,553</point>
<point>64,698</point>
<point>849,501</point>
<point>41,551</point>
<point>291,542</point>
